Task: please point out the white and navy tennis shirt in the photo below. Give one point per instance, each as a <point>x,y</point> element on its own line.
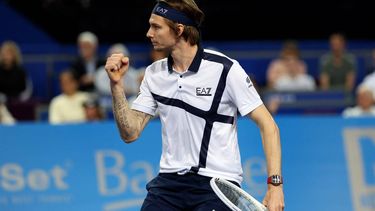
<point>198,112</point>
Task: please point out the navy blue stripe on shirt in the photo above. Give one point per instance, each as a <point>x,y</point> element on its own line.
<point>193,110</point>
<point>227,64</point>
<point>209,116</point>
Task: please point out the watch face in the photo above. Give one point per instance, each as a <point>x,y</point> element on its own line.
<point>275,180</point>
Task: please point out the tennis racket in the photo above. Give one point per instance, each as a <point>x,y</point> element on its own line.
<point>234,197</point>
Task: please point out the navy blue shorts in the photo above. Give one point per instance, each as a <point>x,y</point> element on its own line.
<point>170,191</point>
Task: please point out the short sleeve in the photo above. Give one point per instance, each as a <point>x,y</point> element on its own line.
<point>145,101</point>
<point>241,90</point>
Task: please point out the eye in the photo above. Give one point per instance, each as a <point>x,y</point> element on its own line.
<point>155,26</point>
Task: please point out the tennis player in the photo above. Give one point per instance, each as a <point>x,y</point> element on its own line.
<point>197,93</point>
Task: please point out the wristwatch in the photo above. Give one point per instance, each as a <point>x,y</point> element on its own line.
<point>275,180</point>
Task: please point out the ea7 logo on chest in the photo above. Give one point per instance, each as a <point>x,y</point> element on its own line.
<point>202,91</point>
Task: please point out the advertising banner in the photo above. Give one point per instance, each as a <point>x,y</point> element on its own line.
<point>328,164</point>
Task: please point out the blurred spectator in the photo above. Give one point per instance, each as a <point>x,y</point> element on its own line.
<point>6,117</point>
<point>369,82</point>
<point>68,106</point>
<point>338,67</point>
<point>156,55</point>
<point>130,80</point>
<point>93,110</point>
<point>289,71</point>
<point>86,64</point>
<point>12,75</point>
<point>364,104</point>
<point>370,63</point>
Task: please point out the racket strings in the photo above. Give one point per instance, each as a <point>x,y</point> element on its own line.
<point>236,197</point>
<point>231,194</point>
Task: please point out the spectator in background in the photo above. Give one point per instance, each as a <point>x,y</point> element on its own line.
<point>289,71</point>
<point>6,117</point>
<point>337,67</point>
<point>93,110</point>
<point>370,63</point>
<point>131,80</point>
<point>68,106</point>
<point>369,82</point>
<point>154,55</point>
<point>88,61</point>
<point>12,75</point>
<point>364,104</point>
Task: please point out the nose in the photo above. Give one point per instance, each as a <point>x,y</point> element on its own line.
<point>149,34</point>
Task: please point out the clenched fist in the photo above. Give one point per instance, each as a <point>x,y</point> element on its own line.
<point>116,66</point>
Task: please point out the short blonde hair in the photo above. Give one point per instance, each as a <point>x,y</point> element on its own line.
<point>14,49</point>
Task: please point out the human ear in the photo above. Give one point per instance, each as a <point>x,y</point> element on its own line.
<point>180,29</point>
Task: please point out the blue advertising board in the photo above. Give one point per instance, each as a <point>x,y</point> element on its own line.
<point>328,164</point>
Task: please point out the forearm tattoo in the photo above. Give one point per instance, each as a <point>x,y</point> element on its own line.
<point>123,115</point>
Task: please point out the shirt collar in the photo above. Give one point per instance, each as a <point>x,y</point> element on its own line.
<point>194,66</point>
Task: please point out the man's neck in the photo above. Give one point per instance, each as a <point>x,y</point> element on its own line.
<point>183,55</point>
